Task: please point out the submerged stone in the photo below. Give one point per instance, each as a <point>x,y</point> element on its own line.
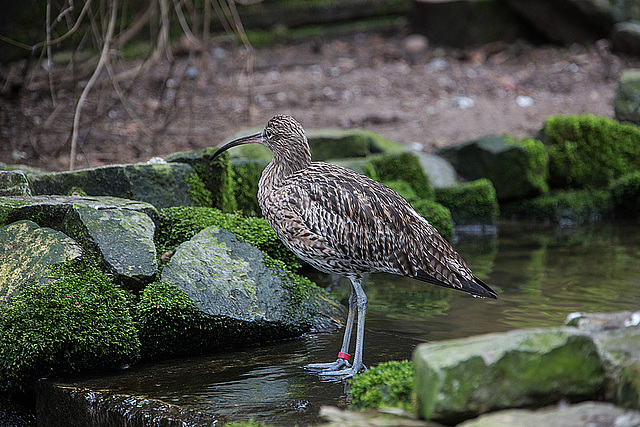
<point>459,379</point>
<point>229,278</point>
<point>580,415</point>
<point>26,253</point>
<point>122,238</point>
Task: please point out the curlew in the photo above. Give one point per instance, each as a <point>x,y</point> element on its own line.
<point>342,222</point>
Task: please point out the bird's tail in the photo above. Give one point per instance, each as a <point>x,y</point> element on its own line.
<point>475,287</point>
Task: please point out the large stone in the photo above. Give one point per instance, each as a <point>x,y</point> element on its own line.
<point>567,21</point>
<point>50,211</point>
<point>123,239</point>
<point>459,379</point>
<point>328,144</point>
<point>440,171</point>
<point>594,414</point>
<point>229,278</point>
<point>162,185</point>
<point>26,253</point>
<point>461,23</point>
<point>626,101</point>
<point>14,183</point>
<point>516,169</point>
<point>617,337</point>
<point>625,37</point>
<point>473,205</point>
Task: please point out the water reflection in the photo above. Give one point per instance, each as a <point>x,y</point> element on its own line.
<point>541,273</point>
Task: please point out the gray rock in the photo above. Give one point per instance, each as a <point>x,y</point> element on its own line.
<point>625,37</point>
<point>26,253</point>
<point>594,414</point>
<point>440,172</point>
<point>461,23</point>
<point>463,378</point>
<point>626,101</point>
<point>50,211</point>
<point>514,170</point>
<point>567,21</point>
<point>14,183</point>
<point>122,238</point>
<point>617,337</point>
<point>228,278</point>
<point>162,185</point>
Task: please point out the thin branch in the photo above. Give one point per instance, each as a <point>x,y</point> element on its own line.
<point>90,83</point>
<point>49,61</point>
<point>68,33</point>
<point>123,99</point>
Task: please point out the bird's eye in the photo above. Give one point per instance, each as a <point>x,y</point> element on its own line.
<point>268,134</point>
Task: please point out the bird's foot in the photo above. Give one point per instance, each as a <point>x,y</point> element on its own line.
<point>342,373</point>
<point>328,367</point>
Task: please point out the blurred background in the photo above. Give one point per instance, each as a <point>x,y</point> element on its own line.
<point>87,83</point>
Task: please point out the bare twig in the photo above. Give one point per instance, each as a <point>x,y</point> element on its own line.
<point>49,60</point>
<point>91,82</point>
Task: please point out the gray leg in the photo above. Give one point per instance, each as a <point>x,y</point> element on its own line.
<point>361,306</point>
<point>340,362</point>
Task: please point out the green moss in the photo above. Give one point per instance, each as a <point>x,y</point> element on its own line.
<point>589,151</point>
<point>625,196</point>
<point>404,166</point>
<point>78,322</point>
<point>470,203</point>
<point>179,224</point>
<point>568,207</point>
<point>389,384</point>
<point>77,191</point>
<point>198,192</point>
<point>170,324</point>
<point>537,171</point>
<point>246,177</point>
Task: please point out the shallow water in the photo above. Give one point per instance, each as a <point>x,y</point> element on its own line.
<point>541,273</point>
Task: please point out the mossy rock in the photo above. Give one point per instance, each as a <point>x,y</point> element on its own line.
<point>216,176</point>
<point>517,168</point>
<point>404,166</point>
<point>180,224</point>
<point>328,144</point>
<point>437,215</point>
<point>79,322</point>
<point>626,101</point>
<point>588,151</point>
<point>387,385</point>
<point>161,184</point>
<point>471,204</point>
<point>459,379</point>
<point>568,207</point>
<point>625,196</point>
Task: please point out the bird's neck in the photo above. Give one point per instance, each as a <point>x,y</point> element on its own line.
<point>284,165</point>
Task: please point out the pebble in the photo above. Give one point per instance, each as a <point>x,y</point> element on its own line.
<point>463,102</point>
<point>524,101</point>
<point>191,73</point>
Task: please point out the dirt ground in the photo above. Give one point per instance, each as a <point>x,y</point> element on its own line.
<point>381,81</point>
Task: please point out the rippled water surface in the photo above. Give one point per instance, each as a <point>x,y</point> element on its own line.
<point>541,273</point>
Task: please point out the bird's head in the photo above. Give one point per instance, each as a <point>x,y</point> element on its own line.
<point>283,135</point>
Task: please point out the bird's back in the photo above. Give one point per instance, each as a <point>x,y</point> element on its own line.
<point>342,222</point>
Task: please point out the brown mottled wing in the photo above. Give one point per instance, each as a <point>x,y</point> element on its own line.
<point>343,222</point>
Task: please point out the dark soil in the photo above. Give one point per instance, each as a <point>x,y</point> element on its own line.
<point>359,80</point>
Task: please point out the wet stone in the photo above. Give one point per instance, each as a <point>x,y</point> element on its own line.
<point>14,183</point>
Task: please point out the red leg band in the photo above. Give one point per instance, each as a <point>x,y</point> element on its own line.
<point>343,355</point>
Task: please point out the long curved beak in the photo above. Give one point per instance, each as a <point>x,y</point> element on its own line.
<point>240,141</point>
